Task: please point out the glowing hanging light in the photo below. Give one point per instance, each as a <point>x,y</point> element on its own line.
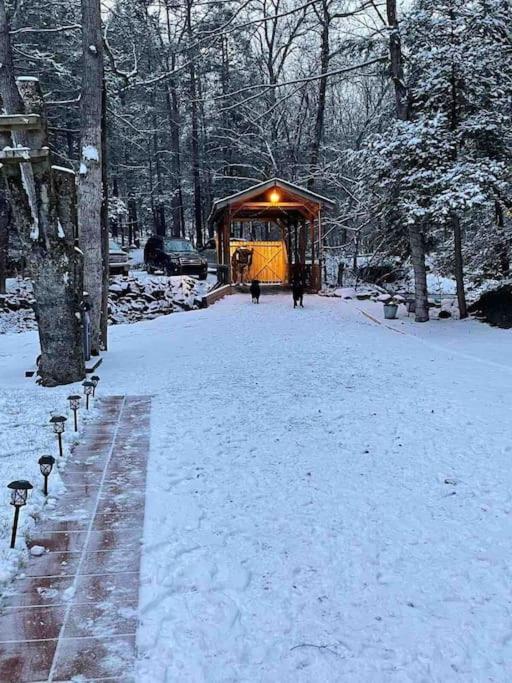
<point>275,197</point>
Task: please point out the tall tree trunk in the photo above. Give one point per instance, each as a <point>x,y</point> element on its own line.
<point>196,173</point>
<point>5,219</point>
<point>114,223</point>
<point>459,266</point>
<point>90,196</point>
<point>132,218</point>
<point>322,90</point>
<point>416,240</point>
<point>196,176</point>
<point>173,113</point>
<point>104,220</point>
<point>178,228</point>
<point>43,206</point>
<point>503,245</point>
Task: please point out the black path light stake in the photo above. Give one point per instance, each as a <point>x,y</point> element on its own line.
<point>88,391</point>
<point>95,380</point>
<point>46,463</point>
<point>74,404</point>
<point>58,424</point>
<point>19,493</point>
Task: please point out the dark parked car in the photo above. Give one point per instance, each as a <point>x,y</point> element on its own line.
<point>174,256</point>
<point>118,259</point>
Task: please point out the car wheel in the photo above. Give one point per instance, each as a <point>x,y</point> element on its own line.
<point>203,276</point>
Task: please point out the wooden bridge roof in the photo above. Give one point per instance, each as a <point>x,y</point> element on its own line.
<point>256,201</point>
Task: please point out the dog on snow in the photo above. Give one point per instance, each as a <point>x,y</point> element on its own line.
<point>297,293</point>
<point>255,291</point>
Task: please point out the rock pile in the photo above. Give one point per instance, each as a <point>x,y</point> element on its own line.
<point>133,298</point>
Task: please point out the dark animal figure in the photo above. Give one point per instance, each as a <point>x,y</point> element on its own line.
<point>297,293</point>
<point>255,291</point>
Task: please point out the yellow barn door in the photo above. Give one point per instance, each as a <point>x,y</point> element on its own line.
<point>269,261</point>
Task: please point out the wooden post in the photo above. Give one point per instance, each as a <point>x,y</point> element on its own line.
<point>227,236</point>
<point>302,244</point>
<point>312,237</point>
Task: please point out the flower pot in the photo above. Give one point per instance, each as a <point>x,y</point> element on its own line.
<point>390,311</point>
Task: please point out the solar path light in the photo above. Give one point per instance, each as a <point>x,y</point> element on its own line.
<point>46,463</point>
<point>88,391</point>
<point>95,380</point>
<point>19,493</point>
<point>74,404</point>
<point>58,424</point>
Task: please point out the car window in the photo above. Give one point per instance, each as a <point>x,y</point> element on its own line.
<point>178,245</point>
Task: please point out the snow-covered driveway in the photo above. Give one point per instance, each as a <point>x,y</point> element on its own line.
<point>327,500</point>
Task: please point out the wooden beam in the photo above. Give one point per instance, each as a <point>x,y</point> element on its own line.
<point>272,205</point>
<point>14,122</point>
<point>17,155</point>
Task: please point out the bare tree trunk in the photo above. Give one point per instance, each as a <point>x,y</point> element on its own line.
<point>503,246</point>
<point>178,221</point>
<point>5,219</point>
<point>196,175</point>
<point>459,266</point>
<point>58,288</point>
<point>173,112</point>
<point>42,199</point>
<point>322,90</point>
<point>132,218</point>
<point>104,220</point>
<point>91,182</point>
<point>177,195</point>
<point>114,223</point>
<point>416,240</point>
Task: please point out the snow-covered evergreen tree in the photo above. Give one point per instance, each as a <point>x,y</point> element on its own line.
<point>449,162</point>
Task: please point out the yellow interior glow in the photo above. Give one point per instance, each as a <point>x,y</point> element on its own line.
<point>274,197</point>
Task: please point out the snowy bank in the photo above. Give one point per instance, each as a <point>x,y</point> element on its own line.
<point>25,411</point>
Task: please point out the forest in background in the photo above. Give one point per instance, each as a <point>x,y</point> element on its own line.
<point>404,120</point>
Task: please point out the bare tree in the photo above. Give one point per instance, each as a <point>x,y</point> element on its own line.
<point>42,199</point>
<point>90,195</point>
<point>194,120</point>
<point>5,219</point>
<point>416,238</point>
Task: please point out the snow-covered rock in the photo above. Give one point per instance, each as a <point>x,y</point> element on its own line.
<point>131,299</point>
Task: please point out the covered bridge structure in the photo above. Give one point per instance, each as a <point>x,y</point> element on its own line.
<point>292,214</point>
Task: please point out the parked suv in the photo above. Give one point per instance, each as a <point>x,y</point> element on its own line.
<point>118,259</point>
<point>175,256</point>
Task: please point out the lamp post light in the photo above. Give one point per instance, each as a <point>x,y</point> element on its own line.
<point>275,197</point>
<point>57,422</point>
<point>19,493</point>
<point>74,404</point>
<point>88,391</point>
<point>46,463</point>
<point>95,380</point>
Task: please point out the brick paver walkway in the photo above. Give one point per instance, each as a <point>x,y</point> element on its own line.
<point>74,612</point>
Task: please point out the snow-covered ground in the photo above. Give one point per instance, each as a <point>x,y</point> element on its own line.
<point>26,435</point>
<point>328,499</point>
